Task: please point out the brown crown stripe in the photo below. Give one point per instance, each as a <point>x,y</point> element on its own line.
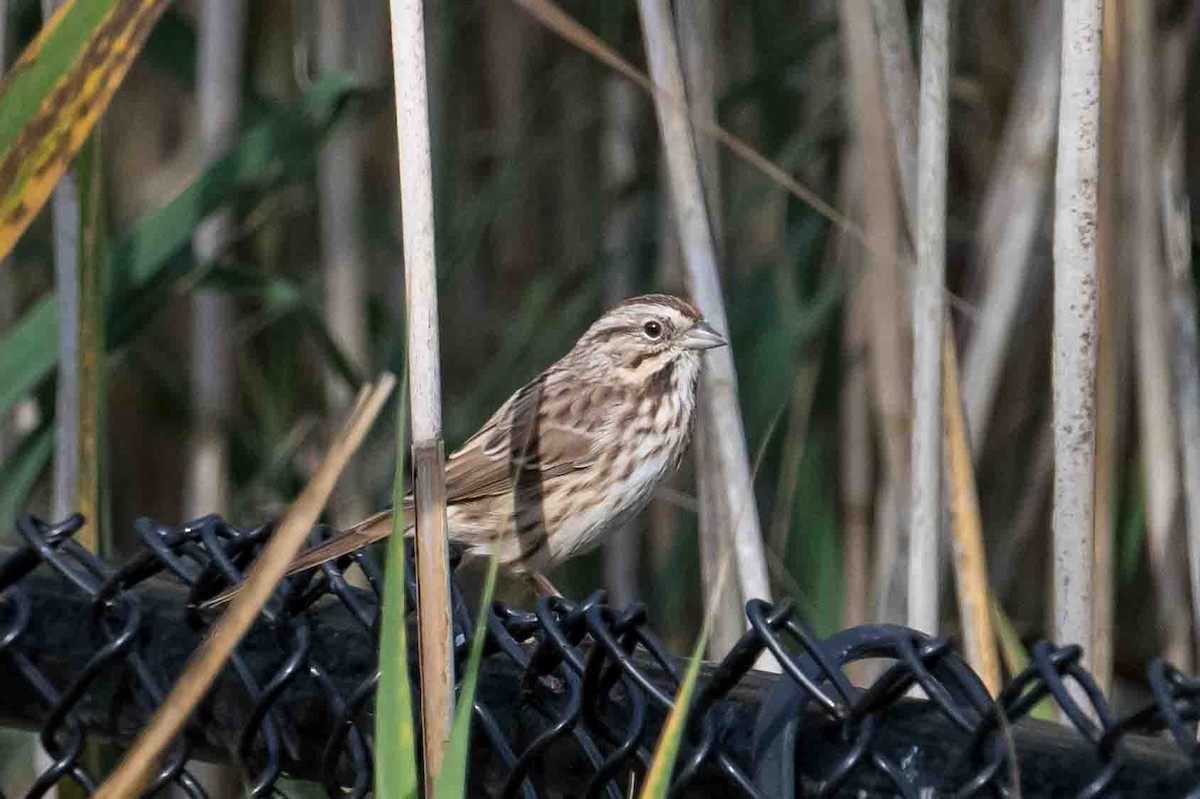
<point>685,308</point>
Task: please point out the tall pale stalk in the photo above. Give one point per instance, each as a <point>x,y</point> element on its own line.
<point>929,318</point>
<point>65,215</point>
<point>219,81</point>
<point>420,278</point>
<point>65,225</point>
<point>1108,362</point>
<point>699,52</point>
<point>900,94</point>
<point>857,479</point>
<point>619,164</point>
<point>884,284</point>
<point>343,255</point>
<point>1185,341</point>
<point>1074,360</point>
<point>1012,213</point>
<point>219,77</point>
<point>1156,418</point>
<point>719,401</point>
<point>696,22</point>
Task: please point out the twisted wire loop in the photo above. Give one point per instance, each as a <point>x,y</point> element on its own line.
<point>571,698</point>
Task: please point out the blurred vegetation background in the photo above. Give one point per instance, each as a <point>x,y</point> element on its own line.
<point>233,341</point>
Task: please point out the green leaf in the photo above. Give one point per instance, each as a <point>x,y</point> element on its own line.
<point>1016,659</point>
<point>816,552</point>
<point>1131,536</point>
<point>19,473</point>
<point>451,781</point>
<point>395,739</point>
<point>666,751</point>
<point>27,353</point>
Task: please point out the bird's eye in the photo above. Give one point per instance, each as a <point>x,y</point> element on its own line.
<point>652,329</point>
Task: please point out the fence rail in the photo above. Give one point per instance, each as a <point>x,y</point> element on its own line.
<point>571,696</point>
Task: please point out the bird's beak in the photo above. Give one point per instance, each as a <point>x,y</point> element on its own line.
<point>702,337</point>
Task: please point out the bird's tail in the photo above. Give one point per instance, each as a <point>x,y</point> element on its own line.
<point>371,529</point>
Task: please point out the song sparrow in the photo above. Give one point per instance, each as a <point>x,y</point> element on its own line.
<point>576,451</point>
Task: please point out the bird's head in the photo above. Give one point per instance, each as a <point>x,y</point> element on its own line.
<point>643,335</point>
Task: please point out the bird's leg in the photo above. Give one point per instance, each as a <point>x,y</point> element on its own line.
<point>542,585</point>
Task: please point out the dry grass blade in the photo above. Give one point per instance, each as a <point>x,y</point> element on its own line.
<point>131,775</point>
<point>970,560</point>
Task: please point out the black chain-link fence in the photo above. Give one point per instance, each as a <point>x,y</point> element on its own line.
<point>571,697</point>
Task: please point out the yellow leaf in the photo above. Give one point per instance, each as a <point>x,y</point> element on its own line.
<point>71,72</point>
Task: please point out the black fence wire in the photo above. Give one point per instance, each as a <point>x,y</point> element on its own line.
<point>571,696</point>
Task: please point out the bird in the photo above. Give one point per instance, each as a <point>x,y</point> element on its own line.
<point>575,452</point>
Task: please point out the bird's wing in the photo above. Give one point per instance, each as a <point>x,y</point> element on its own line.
<point>524,436</point>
